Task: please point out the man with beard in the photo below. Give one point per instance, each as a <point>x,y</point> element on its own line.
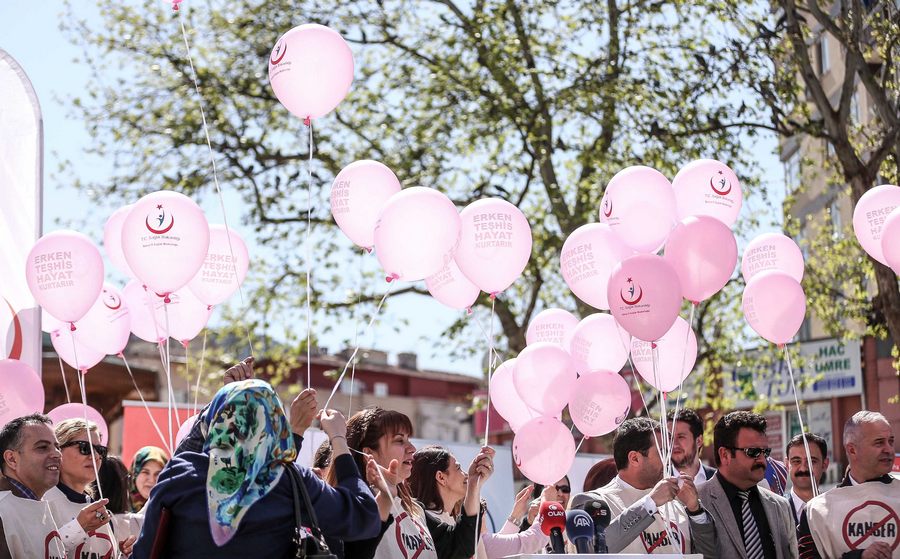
<point>687,428</point>
<point>798,469</point>
<point>749,522</point>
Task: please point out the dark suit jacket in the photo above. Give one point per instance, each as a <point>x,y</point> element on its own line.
<point>710,472</point>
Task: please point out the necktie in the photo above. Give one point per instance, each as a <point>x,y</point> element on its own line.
<point>752,541</point>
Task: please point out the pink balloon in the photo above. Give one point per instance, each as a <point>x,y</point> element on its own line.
<point>645,296</point>
<point>674,359</point>
<point>703,252</point>
<point>416,233</point>
<point>544,377</point>
<point>505,398</point>
<point>600,403</point>
<point>64,271</point>
<point>112,240</point>
<point>452,288</point>
<point>598,343</point>
<point>494,244</point>
<point>72,350</point>
<point>708,187</point>
<point>21,391</point>
<point>587,259</point>
<point>165,238</point>
<point>544,450</point>
<point>772,251</point>
<point>107,326</point>
<point>890,241</point>
<point>50,323</point>
<point>358,193</point>
<point>76,411</point>
<point>639,206</point>
<point>552,325</point>
<point>185,429</point>
<point>869,217</point>
<point>310,70</point>
<point>188,315</point>
<point>147,319</point>
<point>221,274</point>
<point>774,305</point>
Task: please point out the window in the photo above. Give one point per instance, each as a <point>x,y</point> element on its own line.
<point>822,54</point>
<point>357,387</point>
<point>837,221</point>
<point>380,389</point>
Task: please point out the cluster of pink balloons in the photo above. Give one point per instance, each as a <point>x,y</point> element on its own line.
<point>773,302</point>
<point>876,223</point>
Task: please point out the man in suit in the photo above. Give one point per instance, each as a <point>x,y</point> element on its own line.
<point>798,469</point>
<point>749,522</point>
<point>687,428</point>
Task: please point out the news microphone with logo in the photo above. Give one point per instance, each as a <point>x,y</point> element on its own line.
<point>553,522</point>
<point>580,530</point>
<point>599,512</point>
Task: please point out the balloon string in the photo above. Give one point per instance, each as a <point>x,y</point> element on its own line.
<point>787,358</point>
<point>487,408</point>
<point>634,372</point>
<point>495,355</point>
<point>82,385</point>
<point>356,319</point>
<point>62,372</point>
<point>356,349</point>
<point>577,448</point>
<point>200,371</point>
<point>212,160</point>
<point>308,124</point>
<point>660,448</point>
<point>171,399</point>
<point>678,400</point>
<point>162,437</point>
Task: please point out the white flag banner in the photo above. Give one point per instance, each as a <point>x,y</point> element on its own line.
<point>21,177</point>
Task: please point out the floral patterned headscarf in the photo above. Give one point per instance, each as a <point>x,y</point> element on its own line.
<point>247,438</point>
<point>141,457</point>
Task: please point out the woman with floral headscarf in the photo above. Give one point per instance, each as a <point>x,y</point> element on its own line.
<point>145,468</point>
<point>235,498</point>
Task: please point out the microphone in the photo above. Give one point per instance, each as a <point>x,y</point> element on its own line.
<point>553,522</point>
<point>580,530</point>
<point>599,512</point>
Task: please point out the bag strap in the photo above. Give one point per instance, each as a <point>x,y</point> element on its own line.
<point>300,488</point>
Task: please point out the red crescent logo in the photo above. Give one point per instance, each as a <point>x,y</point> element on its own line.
<point>608,203</point>
<point>635,301</point>
<point>99,536</point>
<point>15,352</point>
<point>280,55</point>
<point>716,190</point>
<point>54,535</point>
<point>116,302</point>
<point>158,231</point>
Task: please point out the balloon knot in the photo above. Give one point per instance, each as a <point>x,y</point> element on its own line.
<point>175,5</point>
<point>665,395</point>
<point>695,303</point>
<point>653,345</point>
<point>469,311</point>
<point>209,307</point>
<point>121,356</point>
<point>71,326</point>
<point>780,346</point>
<point>166,299</point>
<point>184,343</point>
<point>493,295</point>
<point>369,250</point>
<point>307,121</point>
<point>391,278</point>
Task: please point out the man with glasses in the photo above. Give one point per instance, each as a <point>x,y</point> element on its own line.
<point>750,522</point>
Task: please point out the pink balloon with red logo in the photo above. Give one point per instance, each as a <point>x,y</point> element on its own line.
<point>64,271</point>
<point>310,70</point>
<point>600,403</point>
<point>77,411</point>
<point>72,350</point>
<point>112,240</point>
<point>544,377</point>
<point>146,308</point>
<point>165,239</point>
<point>544,450</point>
<point>505,398</point>
<point>452,288</point>
<point>772,251</point>
<point>21,391</point>
<point>703,252</point>
<point>224,268</point>
<point>107,326</point>
<point>870,215</point>
<point>416,234</point>
<point>187,315</point>
<point>639,207</point>
<point>599,344</point>
<point>774,305</point>
<point>645,296</point>
<point>551,325</point>
<point>676,353</point>
<point>587,259</point>
<point>710,188</point>
<point>890,241</point>
<point>358,193</point>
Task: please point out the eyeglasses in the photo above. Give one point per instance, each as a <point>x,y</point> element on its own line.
<point>753,451</point>
<point>563,489</point>
<point>84,448</point>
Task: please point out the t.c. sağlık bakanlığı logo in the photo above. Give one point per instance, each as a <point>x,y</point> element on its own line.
<point>111,300</point>
<point>278,53</point>
<point>631,294</point>
<point>607,207</point>
<point>159,223</point>
<point>720,184</point>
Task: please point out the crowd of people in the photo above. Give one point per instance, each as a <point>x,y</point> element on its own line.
<point>233,488</point>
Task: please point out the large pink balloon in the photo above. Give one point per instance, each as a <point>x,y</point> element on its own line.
<point>703,252</point>
<point>772,251</point>
<point>645,296</point>
<point>107,326</point>
<point>494,244</point>
<point>587,259</point>
<point>639,206</point>
<point>50,323</point>
<point>221,274</point>
<point>505,398</point>
<point>310,70</point>
<point>147,319</point>
<point>774,305</point>
<point>416,233</point>
<point>675,360</point>
<point>552,325</point>
<point>890,241</point>
<point>72,350</point>
<point>452,288</point>
<point>21,391</point>
<point>544,377</point>
<point>869,217</point>
<point>598,343</point>
<point>112,240</point>
<point>544,450</point>
<point>165,239</point>
<point>64,271</point>
<point>76,411</point>
<point>358,193</point>
<point>708,187</point>
<point>188,315</point>
<point>600,403</point>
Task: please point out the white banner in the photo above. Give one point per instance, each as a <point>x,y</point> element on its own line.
<point>21,176</point>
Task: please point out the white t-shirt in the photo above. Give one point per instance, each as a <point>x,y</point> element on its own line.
<point>101,542</point>
<point>406,538</point>
<point>32,531</point>
<point>850,518</point>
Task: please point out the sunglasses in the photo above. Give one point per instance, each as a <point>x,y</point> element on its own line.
<point>84,448</point>
<point>563,488</point>
<point>753,451</point>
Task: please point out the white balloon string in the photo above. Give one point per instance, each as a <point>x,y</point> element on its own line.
<point>356,319</point>
<point>495,355</point>
<point>159,432</point>
<point>678,400</point>
<point>487,405</point>
<point>577,448</point>
<point>87,431</point>
<point>200,371</point>
<point>62,372</point>
<point>660,448</point>
<point>308,123</point>
<point>171,397</point>
<point>815,482</point>
<point>356,349</point>
<point>634,372</point>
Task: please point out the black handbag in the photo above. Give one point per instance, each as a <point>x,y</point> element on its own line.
<point>308,546</point>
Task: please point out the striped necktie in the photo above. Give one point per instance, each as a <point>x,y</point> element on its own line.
<point>752,541</point>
